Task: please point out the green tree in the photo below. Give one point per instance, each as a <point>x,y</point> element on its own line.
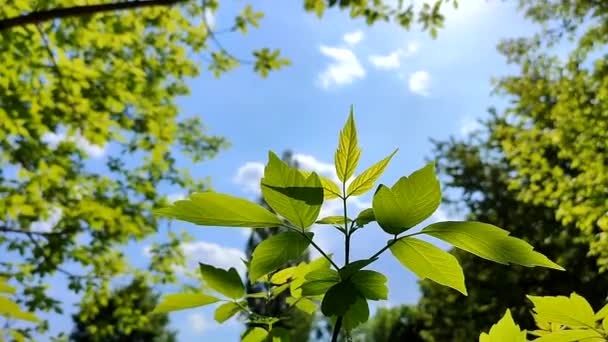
<point>114,321</point>
<point>297,322</point>
<point>479,175</point>
<point>399,323</point>
<point>77,76</point>
<point>554,132</point>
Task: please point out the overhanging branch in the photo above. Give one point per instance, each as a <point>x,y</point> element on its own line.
<point>76,11</point>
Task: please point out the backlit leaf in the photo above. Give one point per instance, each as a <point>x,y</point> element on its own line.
<point>181,301</point>
<point>225,311</point>
<point>276,251</point>
<point>356,315</point>
<point>504,331</point>
<point>228,282</point>
<point>365,181</point>
<point>348,153</point>
<point>573,311</point>
<point>339,298</point>
<point>255,335</point>
<point>370,284</point>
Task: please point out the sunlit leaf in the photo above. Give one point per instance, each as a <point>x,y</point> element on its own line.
<point>255,335</point>
<point>573,311</point>
<point>225,311</point>
<point>181,301</point>
<point>228,282</point>
<point>370,284</point>
<point>504,331</point>
<point>276,251</point>
<point>365,181</point>
<point>348,153</point>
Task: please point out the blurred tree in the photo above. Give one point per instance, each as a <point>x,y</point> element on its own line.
<point>554,133</point>
<point>399,323</point>
<point>297,322</point>
<point>479,175</point>
<point>79,78</point>
<point>115,319</point>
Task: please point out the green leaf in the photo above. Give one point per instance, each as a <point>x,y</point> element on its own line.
<point>319,281</point>
<point>330,189</point>
<point>10,309</point>
<point>339,220</point>
<point>603,313</point>
<point>410,201</point>
<point>278,290</point>
<point>489,242</point>
<point>228,283</point>
<point>276,251</point>
<point>365,181</point>
<point>339,298</point>
<point>357,314</point>
<point>225,311</point>
<point>283,275</point>
<point>6,288</point>
<point>215,209</point>
<point>257,295</point>
<point>354,266</point>
<point>429,261</point>
<point>302,270</point>
<point>303,304</point>
<point>504,331</point>
<point>573,311</point>
<point>255,335</point>
<point>366,216</point>
<point>181,301</point>
<point>290,193</point>
<point>585,335</point>
<point>348,153</point>
<point>371,284</point>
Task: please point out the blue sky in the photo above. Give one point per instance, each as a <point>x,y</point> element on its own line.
<point>405,87</point>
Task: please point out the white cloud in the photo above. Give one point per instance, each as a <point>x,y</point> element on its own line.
<point>469,125</point>
<point>198,323</point>
<point>53,139</point>
<point>213,254</point>
<point>420,83</point>
<point>353,38</point>
<point>46,225</point>
<point>344,69</point>
<point>387,62</point>
<point>393,59</point>
<point>249,176</point>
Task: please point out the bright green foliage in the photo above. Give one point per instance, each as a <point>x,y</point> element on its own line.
<point>255,335</point>
<point>226,311</point>
<point>228,283</point>
<point>338,220</point>
<point>277,251</point>
<point>365,181</point>
<point>559,319</point>
<point>504,331</point>
<point>489,242</point>
<point>115,321</point>
<point>215,209</point>
<point>429,261</point>
<point>11,310</point>
<point>181,301</point>
<point>408,202</point>
<point>555,131</point>
<point>347,156</point>
<point>344,292</point>
<point>292,195</point>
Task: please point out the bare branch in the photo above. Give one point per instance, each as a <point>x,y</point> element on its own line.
<point>78,11</point>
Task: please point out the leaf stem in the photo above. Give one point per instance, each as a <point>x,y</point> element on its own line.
<point>392,242</point>
<point>337,327</point>
<point>301,232</point>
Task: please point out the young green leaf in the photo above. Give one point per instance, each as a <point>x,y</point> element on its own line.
<point>228,283</point>
<point>505,330</point>
<point>366,216</point>
<point>408,202</point>
<point>283,275</point>
<point>225,311</point>
<point>255,335</point>
<point>489,242</point>
<point>429,261</point>
<point>356,315</point>
<point>302,270</point>
<point>278,290</point>
<point>10,309</point>
<point>339,298</point>
<point>365,181</point>
<point>319,281</point>
<point>330,189</point>
<point>290,194</point>
<point>370,284</point>
<point>181,301</point>
<point>348,153</point>
<point>339,220</point>
<point>586,335</point>
<point>303,304</point>
<point>6,288</point>
<point>215,209</point>
<point>276,251</point>
<point>573,311</point>
<point>354,266</point>
<point>602,313</point>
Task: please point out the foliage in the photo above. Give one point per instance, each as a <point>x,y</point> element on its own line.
<point>559,319</point>
<point>296,322</point>
<point>11,311</point>
<point>79,76</point>
<point>400,323</point>
<point>477,175</point>
<point>554,132</point>
<point>344,291</point>
<point>115,321</point>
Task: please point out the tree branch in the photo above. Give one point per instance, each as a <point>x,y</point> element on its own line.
<point>78,11</point>
<point>21,231</point>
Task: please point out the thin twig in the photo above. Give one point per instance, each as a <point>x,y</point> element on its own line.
<point>37,17</point>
